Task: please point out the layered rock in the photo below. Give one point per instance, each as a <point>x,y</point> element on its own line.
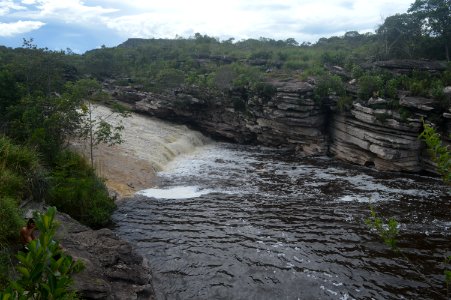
<point>289,117</point>
<point>405,66</point>
<point>364,137</point>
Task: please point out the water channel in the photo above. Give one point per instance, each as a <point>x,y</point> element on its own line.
<point>244,222</point>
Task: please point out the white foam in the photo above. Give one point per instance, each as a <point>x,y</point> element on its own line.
<point>155,141</point>
<point>178,192</point>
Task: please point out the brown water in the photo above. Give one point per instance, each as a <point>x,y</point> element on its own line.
<point>234,222</point>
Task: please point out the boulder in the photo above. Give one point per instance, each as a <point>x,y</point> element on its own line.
<point>378,100</point>
<point>113,269</point>
<point>420,103</point>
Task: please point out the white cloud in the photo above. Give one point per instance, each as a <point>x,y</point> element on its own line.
<point>19,27</point>
<point>8,5</point>
<point>67,11</point>
<point>29,2</point>
<point>303,20</point>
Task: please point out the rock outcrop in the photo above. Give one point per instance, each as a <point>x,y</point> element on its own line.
<point>364,137</point>
<point>371,132</point>
<point>113,270</point>
<point>290,118</point>
<point>405,66</point>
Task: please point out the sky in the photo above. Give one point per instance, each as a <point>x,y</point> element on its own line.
<point>85,25</point>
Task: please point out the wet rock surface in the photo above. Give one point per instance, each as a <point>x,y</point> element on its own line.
<point>113,270</point>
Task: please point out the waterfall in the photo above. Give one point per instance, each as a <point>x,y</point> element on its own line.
<point>152,140</point>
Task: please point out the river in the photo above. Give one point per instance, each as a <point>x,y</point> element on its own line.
<point>244,222</point>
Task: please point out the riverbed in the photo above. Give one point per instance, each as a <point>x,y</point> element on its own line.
<point>243,222</point>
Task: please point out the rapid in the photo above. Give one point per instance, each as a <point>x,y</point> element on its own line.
<point>230,221</point>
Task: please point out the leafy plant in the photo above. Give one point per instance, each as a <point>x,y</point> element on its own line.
<point>94,129</point>
<point>329,85</point>
<point>388,231</point>
<point>439,153</point>
<point>391,89</point>
<point>11,220</point>
<point>45,270</point>
<point>370,86</point>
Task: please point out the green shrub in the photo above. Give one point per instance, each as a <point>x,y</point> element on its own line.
<point>45,270</point>
<point>329,85</point>
<point>405,114</point>
<point>446,76</point>
<point>356,71</point>
<point>387,230</point>
<point>10,225</point>
<point>344,103</point>
<point>391,89</point>
<point>439,152</point>
<point>13,185</point>
<point>245,75</point>
<point>282,56</point>
<point>418,88</point>
<point>170,78</point>
<point>334,58</point>
<point>76,190</point>
<point>19,159</point>
<point>11,221</point>
<point>369,86</point>
<point>21,174</point>
<point>5,266</point>
<point>262,54</point>
<point>265,90</point>
<point>296,65</point>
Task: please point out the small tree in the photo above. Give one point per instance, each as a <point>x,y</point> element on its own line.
<point>94,128</point>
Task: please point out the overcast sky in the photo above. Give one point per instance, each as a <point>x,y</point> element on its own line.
<point>83,25</point>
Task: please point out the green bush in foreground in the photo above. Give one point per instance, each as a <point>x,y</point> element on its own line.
<point>10,224</point>
<point>11,221</point>
<point>76,190</point>
<point>45,270</point>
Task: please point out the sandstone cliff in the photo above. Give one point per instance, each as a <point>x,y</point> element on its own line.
<point>368,133</point>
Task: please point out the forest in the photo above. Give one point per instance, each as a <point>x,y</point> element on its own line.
<point>43,96</point>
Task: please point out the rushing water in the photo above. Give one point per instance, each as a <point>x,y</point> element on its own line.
<point>236,222</point>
